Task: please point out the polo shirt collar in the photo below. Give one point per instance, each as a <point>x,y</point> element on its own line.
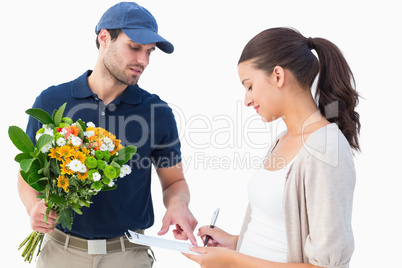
<point>80,89</point>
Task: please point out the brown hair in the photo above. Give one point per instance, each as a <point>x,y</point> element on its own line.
<point>114,33</point>
<point>289,49</point>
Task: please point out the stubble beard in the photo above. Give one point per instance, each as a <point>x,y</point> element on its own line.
<point>112,64</point>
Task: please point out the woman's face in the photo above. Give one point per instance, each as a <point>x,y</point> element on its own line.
<point>261,91</point>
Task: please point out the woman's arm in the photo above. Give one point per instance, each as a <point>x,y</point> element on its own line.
<point>219,238</point>
<point>221,257</point>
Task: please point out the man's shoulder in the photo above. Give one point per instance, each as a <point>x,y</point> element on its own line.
<point>153,100</point>
<point>62,90</point>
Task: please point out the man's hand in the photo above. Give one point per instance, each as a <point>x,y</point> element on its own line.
<point>36,208</point>
<point>180,216</point>
<point>176,197</point>
<point>38,222</point>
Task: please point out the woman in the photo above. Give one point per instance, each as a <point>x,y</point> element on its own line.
<point>300,202</point>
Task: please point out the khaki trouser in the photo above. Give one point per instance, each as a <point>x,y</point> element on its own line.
<point>55,254</point>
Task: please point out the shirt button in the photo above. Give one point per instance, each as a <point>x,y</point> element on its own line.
<point>103,113</point>
<point>112,107</point>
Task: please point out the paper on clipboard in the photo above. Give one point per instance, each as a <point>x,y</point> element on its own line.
<point>146,240</point>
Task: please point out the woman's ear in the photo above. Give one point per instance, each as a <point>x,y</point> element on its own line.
<point>279,76</point>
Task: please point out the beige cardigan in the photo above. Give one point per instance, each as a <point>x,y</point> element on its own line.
<point>317,201</point>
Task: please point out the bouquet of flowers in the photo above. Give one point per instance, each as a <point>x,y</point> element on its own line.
<point>69,163</point>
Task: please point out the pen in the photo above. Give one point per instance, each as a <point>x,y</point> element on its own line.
<point>212,225</point>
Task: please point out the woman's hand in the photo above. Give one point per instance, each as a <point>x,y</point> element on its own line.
<point>212,257</point>
<point>219,238</point>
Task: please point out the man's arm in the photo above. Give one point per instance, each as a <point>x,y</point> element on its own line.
<point>35,207</point>
<point>176,197</point>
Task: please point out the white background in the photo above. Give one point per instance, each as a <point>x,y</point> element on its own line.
<point>46,43</point>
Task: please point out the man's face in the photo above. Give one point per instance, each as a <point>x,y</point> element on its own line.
<point>125,60</point>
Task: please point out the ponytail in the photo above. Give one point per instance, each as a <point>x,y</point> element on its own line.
<point>336,84</point>
<point>289,49</point>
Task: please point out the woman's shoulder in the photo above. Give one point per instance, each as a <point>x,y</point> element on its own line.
<point>327,145</point>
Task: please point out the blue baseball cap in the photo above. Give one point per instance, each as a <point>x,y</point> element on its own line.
<point>136,22</point>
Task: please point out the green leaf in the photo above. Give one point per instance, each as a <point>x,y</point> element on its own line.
<point>25,175</point>
<point>57,200</point>
<point>58,116</point>
<point>66,218</point>
<point>83,202</point>
<point>26,164</point>
<point>40,115</point>
<point>46,168</point>
<point>55,167</point>
<point>44,140</point>
<point>81,126</point>
<point>20,139</point>
<point>41,196</point>
<point>76,208</point>
<point>34,181</point>
<point>19,157</point>
<point>125,154</point>
<point>107,188</point>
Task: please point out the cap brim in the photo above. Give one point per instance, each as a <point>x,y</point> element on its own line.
<point>143,37</point>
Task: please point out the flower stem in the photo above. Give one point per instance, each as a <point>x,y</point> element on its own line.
<point>31,244</point>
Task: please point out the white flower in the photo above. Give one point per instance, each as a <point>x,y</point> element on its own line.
<point>89,134</point>
<point>38,136</point>
<point>48,131</point>
<point>76,141</point>
<point>46,148</point>
<point>83,169</point>
<point>125,170</point>
<point>76,165</point>
<point>90,124</point>
<point>61,142</point>
<point>63,132</point>
<point>96,176</point>
<point>111,184</point>
<point>103,147</point>
<point>110,147</point>
<point>107,140</point>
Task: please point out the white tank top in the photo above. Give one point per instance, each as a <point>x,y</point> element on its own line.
<point>265,236</point>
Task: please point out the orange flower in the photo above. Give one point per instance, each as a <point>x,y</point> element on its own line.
<point>82,176</point>
<point>79,155</point>
<point>64,151</point>
<point>62,182</point>
<point>65,169</point>
<point>85,150</point>
<point>54,153</point>
<point>73,130</point>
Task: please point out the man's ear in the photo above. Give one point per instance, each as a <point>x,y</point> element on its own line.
<point>104,37</point>
<point>279,76</point>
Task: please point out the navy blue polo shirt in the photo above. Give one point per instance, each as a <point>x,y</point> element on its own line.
<point>136,117</point>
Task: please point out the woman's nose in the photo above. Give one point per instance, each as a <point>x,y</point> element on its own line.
<point>247,99</point>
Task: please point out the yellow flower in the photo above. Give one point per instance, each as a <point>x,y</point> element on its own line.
<point>63,183</point>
